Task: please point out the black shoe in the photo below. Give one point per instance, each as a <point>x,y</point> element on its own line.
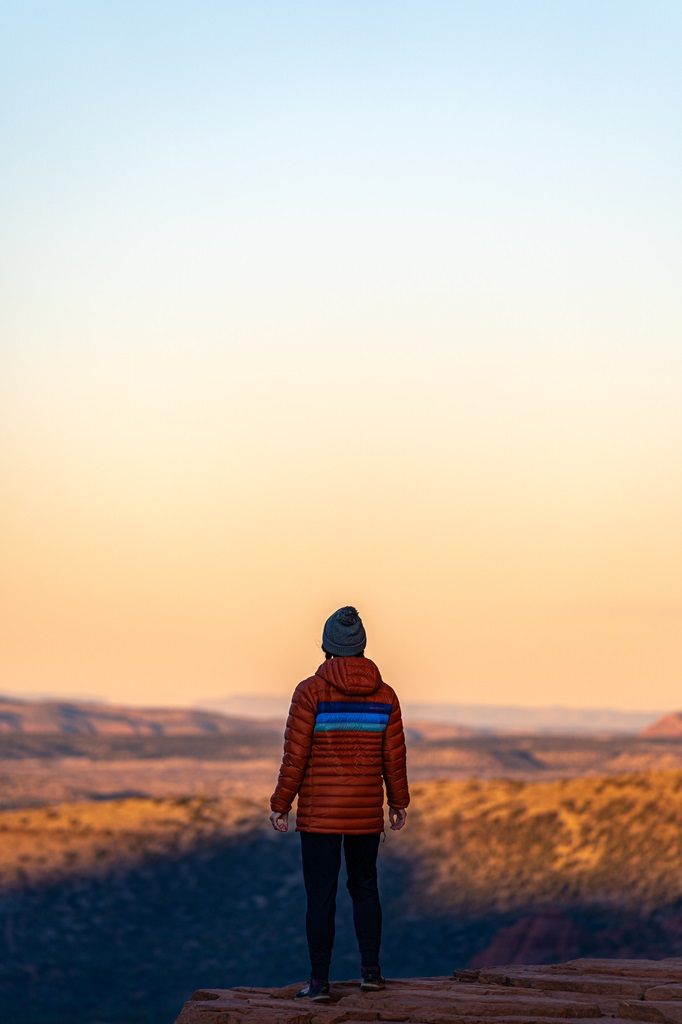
<point>372,979</point>
<point>316,991</point>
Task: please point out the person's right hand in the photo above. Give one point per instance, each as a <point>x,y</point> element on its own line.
<point>397,817</point>
<point>280,822</point>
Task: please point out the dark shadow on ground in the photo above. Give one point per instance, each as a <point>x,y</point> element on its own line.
<point>130,947</point>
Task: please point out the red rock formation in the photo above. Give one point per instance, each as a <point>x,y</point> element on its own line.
<point>667,727</point>
<point>579,990</point>
<point>532,939</point>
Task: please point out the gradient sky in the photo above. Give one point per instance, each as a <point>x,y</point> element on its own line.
<point>312,304</point>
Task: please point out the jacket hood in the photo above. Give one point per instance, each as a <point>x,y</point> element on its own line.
<point>358,676</point>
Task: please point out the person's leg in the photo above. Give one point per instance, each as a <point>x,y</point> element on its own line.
<point>321,855</point>
<point>361,865</point>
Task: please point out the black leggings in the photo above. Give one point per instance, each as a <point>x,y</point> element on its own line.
<point>321,863</point>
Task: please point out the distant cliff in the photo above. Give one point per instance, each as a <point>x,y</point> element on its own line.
<point>80,718</point>
<point>666,727</point>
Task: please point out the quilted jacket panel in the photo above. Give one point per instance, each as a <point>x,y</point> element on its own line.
<point>344,741</point>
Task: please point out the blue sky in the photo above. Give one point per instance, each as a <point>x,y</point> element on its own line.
<point>476,150</point>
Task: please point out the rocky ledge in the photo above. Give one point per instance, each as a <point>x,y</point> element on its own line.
<point>635,990</point>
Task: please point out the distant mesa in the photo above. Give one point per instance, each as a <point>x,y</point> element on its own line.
<point>249,705</point>
<point>86,719</point>
<point>434,732</point>
<point>666,727</point>
<point>550,720</point>
<point>427,723</point>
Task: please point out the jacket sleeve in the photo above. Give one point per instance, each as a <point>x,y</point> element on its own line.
<point>395,760</point>
<point>298,741</point>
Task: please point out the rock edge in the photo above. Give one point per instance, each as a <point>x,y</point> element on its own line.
<point>578,990</point>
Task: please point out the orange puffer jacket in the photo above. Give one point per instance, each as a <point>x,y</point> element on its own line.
<point>344,738</point>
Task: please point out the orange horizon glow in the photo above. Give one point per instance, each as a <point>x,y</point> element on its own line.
<point>520,568</point>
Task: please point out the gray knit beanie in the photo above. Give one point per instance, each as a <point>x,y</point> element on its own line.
<point>344,633</point>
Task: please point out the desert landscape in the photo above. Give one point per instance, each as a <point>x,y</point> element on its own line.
<point>329,330</point>
<point>137,864</point>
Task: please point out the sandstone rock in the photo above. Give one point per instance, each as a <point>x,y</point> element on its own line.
<point>668,1013</point>
<point>661,992</point>
<point>575,991</point>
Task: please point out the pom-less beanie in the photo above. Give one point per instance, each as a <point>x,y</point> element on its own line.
<point>344,633</point>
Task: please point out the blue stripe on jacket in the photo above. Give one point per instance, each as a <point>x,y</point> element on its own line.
<point>352,716</point>
<point>338,716</point>
<point>349,727</point>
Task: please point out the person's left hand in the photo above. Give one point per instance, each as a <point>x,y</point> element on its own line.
<point>397,817</point>
<point>280,822</point>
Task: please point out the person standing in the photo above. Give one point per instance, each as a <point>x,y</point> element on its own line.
<point>344,740</point>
